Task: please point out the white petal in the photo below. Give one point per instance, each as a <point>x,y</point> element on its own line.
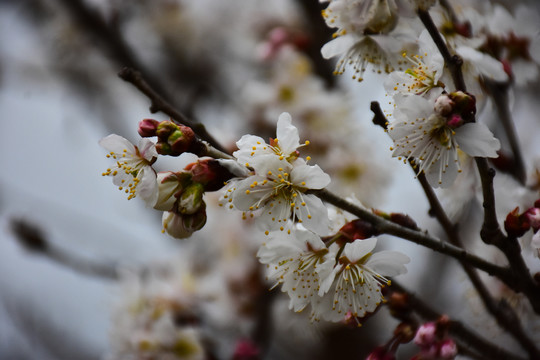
<point>314,214</point>
<point>287,134</point>
<point>117,144</point>
<point>147,149</point>
<point>356,250</point>
<point>388,263</point>
<point>337,46</point>
<point>477,140</point>
<point>148,186</point>
<point>312,176</point>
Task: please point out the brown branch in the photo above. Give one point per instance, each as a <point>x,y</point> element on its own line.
<point>33,239</point>
<point>491,232</point>
<point>457,329</point>
<point>158,103</point>
<point>383,226</point>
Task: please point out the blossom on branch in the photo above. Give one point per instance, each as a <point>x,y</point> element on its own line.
<point>354,286</point>
<point>133,172</point>
<point>433,132</point>
<point>276,187</point>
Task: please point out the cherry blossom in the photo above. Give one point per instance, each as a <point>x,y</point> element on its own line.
<point>132,172</point>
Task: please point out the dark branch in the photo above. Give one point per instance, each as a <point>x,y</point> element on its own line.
<point>158,103</point>
<point>33,239</point>
<point>457,329</point>
<point>453,62</point>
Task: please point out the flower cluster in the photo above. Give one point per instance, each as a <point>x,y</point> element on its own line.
<point>337,282</point>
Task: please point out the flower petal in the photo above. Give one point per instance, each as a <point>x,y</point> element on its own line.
<point>477,140</point>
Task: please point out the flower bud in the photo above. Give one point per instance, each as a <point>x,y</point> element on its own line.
<point>533,217</point>
<point>399,305</point>
<point>181,140</point>
<point>148,127</point>
<point>170,187</point>
<point>405,332</point>
<point>210,173</point>
<point>357,229</point>
<point>246,350</point>
<point>182,226</point>
<point>403,220</point>
<point>444,105</point>
<point>426,334</point>
<point>465,105</point>
<point>197,220</point>
<point>447,349</point>
<point>191,199</point>
<point>516,225</point>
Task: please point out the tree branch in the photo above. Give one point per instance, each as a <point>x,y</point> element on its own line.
<point>457,329</point>
<point>158,103</point>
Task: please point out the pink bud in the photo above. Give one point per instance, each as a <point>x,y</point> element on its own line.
<point>426,335</point>
<point>447,349</point>
<point>533,214</point>
<point>443,105</point>
<point>455,121</point>
<point>246,350</point>
<point>148,127</point>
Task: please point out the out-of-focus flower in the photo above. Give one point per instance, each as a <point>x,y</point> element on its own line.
<point>361,36</point>
<point>133,171</point>
<point>433,139</point>
<point>514,40</point>
<point>355,283</point>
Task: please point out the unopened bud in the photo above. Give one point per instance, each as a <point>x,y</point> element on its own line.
<point>170,187</point>
<point>405,332</point>
<point>447,349</point>
<point>399,305</point>
<point>148,127</point>
<point>210,173</point>
<point>182,226</point>
<point>516,225</point>
<point>246,350</point>
<point>181,140</point>
<point>191,199</point>
<point>426,335</point>
<point>357,229</point>
<point>465,105</point>
<point>533,215</point>
<point>444,105</point>
<point>403,220</point>
<point>455,121</point>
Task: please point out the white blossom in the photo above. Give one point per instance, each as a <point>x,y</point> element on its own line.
<point>354,285</point>
<point>277,185</point>
<point>132,172</point>
<point>424,74</point>
<point>433,141</point>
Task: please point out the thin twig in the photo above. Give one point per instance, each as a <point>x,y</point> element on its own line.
<point>384,226</point>
<point>453,62</point>
<point>491,232</point>
<point>158,103</point>
<point>457,329</point>
<point>34,240</point>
